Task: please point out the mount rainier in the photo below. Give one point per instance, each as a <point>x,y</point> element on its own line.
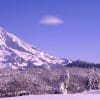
<point>33,76</point>
<point>15,53</point>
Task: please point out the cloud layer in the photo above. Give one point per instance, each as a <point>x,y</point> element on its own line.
<point>51,20</point>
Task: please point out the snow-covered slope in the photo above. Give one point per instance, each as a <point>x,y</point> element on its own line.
<point>15,53</point>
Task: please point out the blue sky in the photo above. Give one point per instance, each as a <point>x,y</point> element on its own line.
<point>63,28</point>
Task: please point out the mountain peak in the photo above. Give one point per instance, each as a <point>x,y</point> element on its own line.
<point>2,36</point>
<point>15,53</point>
<point>3,33</point>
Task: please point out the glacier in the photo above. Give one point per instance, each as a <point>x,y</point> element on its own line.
<point>17,54</point>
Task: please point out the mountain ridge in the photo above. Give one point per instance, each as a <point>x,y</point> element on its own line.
<point>17,53</point>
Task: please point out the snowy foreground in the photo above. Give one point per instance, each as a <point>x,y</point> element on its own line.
<point>91,95</point>
<point>56,97</point>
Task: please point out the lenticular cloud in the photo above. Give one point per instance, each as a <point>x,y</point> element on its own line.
<point>51,20</point>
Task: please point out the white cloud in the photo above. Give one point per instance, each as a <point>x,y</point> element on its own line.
<point>51,20</point>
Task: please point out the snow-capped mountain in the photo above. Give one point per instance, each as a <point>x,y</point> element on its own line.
<point>15,53</point>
